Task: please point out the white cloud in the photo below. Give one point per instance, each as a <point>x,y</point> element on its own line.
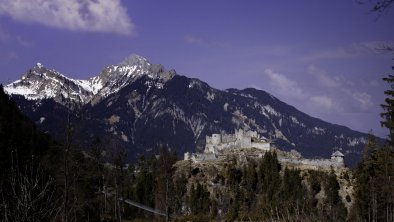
<point>343,89</point>
<point>339,53</point>
<point>328,95</point>
<point>325,104</point>
<point>363,99</point>
<point>193,39</point>
<point>283,85</point>
<point>76,15</point>
<point>324,78</point>
<point>291,90</point>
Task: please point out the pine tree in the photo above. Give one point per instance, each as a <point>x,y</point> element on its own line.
<point>388,109</point>
<point>250,177</point>
<point>269,174</point>
<point>192,199</point>
<point>199,199</point>
<point>180,189</point>
<point>374,188</point>
<point>291,190</point>
<point>163,171</point>
<point>144,184</point>
<point>334,205</point>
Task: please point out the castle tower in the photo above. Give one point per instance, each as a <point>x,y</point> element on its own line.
<point>337,156</point>
<point>239,134</point>
<point>216,139</point>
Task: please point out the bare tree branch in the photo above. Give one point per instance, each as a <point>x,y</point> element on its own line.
<point>31,196</point>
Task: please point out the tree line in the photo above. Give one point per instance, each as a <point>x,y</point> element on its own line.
<point>264,190</point>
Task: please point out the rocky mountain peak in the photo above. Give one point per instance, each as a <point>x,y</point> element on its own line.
<point>39,65</point>
<point>135,60</point>
<point>40,82</point>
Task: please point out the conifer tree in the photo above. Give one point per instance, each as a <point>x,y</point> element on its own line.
<point>270,177</point>
<point>144,184</point>
<point>291,191</point>
<point>388,109</point>
<point>374,188</point>
<point>334,205</point>
<point>199,199</point>
<point>163,171</point>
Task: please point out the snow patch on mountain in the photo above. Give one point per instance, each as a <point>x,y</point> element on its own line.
<point>26,91</point>
<point>42,119</point>
<point>210,96</point>
<point>113,119</point>
<point>317,130</point>
<point>296,121</point>
<point>41,83</point>
<point>195,83</point>
<point>271,110</point>
<point>356,141</point>
<point>279,135</point>
<point>244,122</point>
<point>246,95</point>
<point>225,107</point>
<point>197,125</point>
<point>124,137</point>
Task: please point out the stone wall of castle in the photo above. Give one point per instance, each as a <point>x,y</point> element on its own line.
<point>313,163</point>
<point>261,146</point>
<point>198,157</point>
<point>240,139</point>
<point>218,145</point>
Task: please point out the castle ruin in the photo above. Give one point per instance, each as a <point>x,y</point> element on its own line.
<point>240,139</point>
<point>217,144</point>
<point>336,160</point>
<point>249,143</point>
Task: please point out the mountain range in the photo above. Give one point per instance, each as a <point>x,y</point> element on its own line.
<point>136,105</point>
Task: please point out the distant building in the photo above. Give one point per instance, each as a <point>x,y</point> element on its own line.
<point>240,139</point>
<point>217,144</point>
<point>252,144</point>
<point>337,161</point>
<point>337,157</point>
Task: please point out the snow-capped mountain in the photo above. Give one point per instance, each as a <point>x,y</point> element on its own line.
<point>135,105</point>
<point>41,83</point>
<point>115,77</point>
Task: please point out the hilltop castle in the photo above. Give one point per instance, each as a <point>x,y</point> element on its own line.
<point>218,144</point>
<point>249,143</point>
<point>241,139</point>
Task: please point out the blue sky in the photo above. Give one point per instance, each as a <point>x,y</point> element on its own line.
<point>320,56</point>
